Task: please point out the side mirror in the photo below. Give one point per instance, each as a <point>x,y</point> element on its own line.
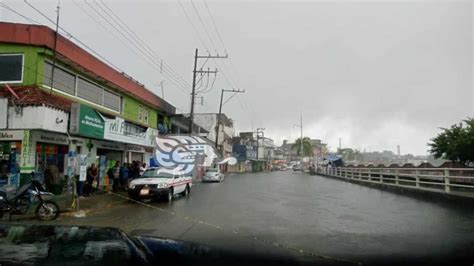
<point>176,177</point>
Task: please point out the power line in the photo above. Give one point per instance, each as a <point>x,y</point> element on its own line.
<point>19,14</point>
<point>82,43</point>
<point>131,31</point>
<point>192,25</point>
<point>140,49</point>
<point>118,38</point>
<point>229,81</point>
<point>203,25</point>
<point>73,37</point>
<point>230,98</point>
<point>214,24</point>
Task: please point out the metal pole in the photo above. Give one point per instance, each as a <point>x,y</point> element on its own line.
<point>218,120</point>
<point>54,48</point>
<point>193,93</point>
<point>301,141</point>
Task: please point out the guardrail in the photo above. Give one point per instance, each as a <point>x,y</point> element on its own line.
<point>447,180</point>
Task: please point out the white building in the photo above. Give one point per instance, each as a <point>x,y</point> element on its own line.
<point>208,121</point>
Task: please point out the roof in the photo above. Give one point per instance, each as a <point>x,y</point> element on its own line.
<point>31,96</point>
<point>38,35</point>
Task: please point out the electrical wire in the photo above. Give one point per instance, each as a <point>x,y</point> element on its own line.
<point>144,55</point>
<point>69,35</point>
<point>230,98</point>
<point>19,14</point>
<point>131,31</point>
<point>214,24</point>
<point>193,26</point>
<point>202,24</point>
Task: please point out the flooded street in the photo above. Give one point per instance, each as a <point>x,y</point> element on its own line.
<point>295,213</point>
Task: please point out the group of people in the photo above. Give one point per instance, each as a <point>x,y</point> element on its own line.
<point>119,177</point>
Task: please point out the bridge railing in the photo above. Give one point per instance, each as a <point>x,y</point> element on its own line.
<point>459,180</point>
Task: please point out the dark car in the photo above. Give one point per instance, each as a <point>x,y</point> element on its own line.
<point>84,245</point>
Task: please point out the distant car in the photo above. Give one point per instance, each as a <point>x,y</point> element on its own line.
<point>296,168</point>
<point>213,175</point>
<point>284,168</point>
<point>160,183</point>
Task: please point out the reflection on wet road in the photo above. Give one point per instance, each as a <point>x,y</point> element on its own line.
<point>317,214</point>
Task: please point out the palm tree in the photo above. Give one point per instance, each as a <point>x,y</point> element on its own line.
<point>307,147</point>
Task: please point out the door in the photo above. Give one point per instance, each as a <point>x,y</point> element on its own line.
<point>179,187</point>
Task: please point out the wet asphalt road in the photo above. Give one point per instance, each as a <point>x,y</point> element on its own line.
<point>319,215</point>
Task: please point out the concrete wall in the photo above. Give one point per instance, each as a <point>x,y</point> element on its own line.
<point>37,117</point>
<point>208,122</point>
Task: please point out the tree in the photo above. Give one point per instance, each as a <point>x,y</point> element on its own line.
<point>307,147</point>
<point>455,143</point>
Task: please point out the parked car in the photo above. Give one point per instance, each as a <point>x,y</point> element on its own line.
<point>296,168</point>
<point>213,175</point>
<point>160,183</point>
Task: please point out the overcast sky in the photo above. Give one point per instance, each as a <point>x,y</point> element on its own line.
<point>376,74</point>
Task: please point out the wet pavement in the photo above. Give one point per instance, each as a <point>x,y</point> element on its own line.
<point>294,213</point>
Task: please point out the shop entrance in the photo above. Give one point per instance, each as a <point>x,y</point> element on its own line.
<point>111,156</point>
<point>135,156</point>
<point>50,155</point>
<point>9,157</point>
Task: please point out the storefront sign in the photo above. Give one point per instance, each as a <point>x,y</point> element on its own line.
<point>83,167</point>
<point>134,148</point>
<point>78,141</point>
<point>11,134</point>
<point>49,137</point>
<point>26,151</point>
<point>115,130</point>
<point>110,145</point>
<point>86,121</point>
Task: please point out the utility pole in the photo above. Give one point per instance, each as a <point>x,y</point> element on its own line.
<point>301,138</point>
<point>259,130</point>
<point>54,47</point>
<point>195,71</point>
<point>218,122</point>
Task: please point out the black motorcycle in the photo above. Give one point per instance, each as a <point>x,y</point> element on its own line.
<point>17,201</point>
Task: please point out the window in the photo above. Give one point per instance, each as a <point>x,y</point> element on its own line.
<point>112,101</point>
<point>72,84</point>
<point>134,130</point>
<point>63,80</point>
<point>143,114</point>
<point>89,91</point>
<point>11,68</point>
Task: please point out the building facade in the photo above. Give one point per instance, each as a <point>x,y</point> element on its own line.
<point>253,153</point>
<point>67,109</point>
<point>211,122</point>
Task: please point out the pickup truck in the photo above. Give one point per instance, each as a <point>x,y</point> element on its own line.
<point>160,183</point>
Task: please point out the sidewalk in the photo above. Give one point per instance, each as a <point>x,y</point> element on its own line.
<point>99,201</point>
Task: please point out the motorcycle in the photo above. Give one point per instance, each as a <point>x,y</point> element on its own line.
<point>17,201</point>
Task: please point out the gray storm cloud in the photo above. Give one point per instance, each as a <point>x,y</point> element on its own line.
<point>377,73</point>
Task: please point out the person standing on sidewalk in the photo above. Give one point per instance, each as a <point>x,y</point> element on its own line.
<point>115,176</point>
<point>124,173</point>
<point>92,175</point>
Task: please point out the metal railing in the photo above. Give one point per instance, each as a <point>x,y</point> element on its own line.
<point>449,180</point>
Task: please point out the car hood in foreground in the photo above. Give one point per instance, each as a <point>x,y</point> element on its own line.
<point>84,245</point>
